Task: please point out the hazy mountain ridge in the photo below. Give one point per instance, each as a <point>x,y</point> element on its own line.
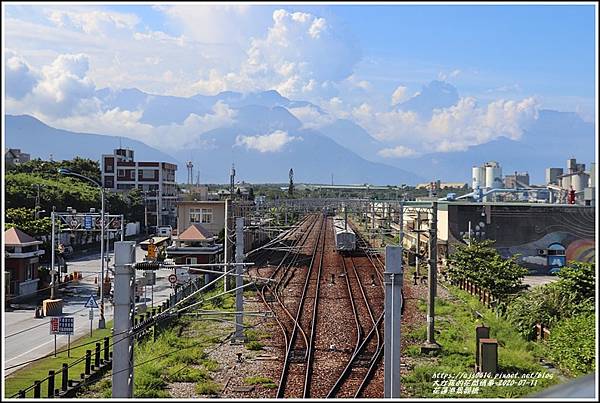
<point>315,157</point>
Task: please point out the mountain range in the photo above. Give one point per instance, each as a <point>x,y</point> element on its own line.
<point>265,140</point>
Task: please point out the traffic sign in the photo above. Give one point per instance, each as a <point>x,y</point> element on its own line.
<point>88,222</point>
<point>62,325</point>
<point>91,302</point>
<point>91,314</point>
<point>172,278</point>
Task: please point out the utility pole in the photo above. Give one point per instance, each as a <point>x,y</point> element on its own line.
<point>101,321</point>
<point>146,211</point>
<point>418,249</point>
<point>431,344</point>
<point>52,276</point>
<point>239,281</point>
<point>226,247</point>
<point>393,279</point>
<point>124,303</point>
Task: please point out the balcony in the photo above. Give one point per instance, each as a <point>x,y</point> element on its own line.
<point>24,255</point>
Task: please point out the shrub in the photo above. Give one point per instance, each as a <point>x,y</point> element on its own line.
<point>578,279</point>
<point>572,344</point>
<point>544,304</point>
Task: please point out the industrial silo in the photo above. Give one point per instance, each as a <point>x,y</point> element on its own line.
<point>579,181</point>
<point>478,177</point>
<point>493,175</point>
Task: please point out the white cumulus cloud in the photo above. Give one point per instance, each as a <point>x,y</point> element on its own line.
<point>20,79</point>
<point>267,143</point>
<point>399,95</point>
<point>311,117</point>
<point>397,152</point>
<point>449,129</point>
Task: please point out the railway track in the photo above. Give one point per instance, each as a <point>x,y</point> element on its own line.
<point>343,351</point>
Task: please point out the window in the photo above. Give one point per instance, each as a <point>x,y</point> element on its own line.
<point>195,215</point>
<point>147,173</point>
<point>30,271</point>
<point>201,215</point>
<point>207,215</point>
<point>191,260</point>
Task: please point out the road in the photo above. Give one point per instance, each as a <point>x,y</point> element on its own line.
<point>27,338</point>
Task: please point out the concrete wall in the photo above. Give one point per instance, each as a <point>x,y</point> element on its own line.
<point>524,229</point>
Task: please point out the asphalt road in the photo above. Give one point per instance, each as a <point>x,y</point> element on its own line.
<point>27,338</point>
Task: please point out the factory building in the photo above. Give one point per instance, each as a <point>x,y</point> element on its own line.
<point>552,175</point>
<point>518,180</point>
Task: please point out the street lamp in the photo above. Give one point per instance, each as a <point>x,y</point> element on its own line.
<point>65,171</point>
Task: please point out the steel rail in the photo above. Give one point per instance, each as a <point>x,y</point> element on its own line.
<point>286,364</point>
<point>310,349</point>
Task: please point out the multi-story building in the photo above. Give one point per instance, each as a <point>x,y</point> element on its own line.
<point>156,181</point>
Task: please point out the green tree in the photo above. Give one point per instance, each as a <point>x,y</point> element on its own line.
<point>481,264</point>
<point>24,219</point>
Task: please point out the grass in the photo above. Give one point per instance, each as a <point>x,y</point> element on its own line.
<point>260,380</point>
<point>38,370</point>
<point>254,345</point>
<point>455,332</point>
<point>208,388</point>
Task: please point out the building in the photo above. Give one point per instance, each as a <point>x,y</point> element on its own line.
<point>442,185</point>
<point>552,175</point>
<point>14,156</point>
<point>209,213</point>
<point>195,245</point>
<point>518,180</point>
<point>156,180</point>
<point>21,261</point>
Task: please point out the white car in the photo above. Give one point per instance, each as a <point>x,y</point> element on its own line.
<point>164,231</point>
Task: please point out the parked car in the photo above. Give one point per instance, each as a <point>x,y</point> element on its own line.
<point>165,231</point>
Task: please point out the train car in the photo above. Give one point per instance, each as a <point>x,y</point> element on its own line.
<point>345,238</point>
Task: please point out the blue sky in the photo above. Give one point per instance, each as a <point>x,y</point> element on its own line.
<point>354,61</point>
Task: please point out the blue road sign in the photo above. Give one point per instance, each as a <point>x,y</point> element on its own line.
<point>88,222</point>
<point>91,302</point>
